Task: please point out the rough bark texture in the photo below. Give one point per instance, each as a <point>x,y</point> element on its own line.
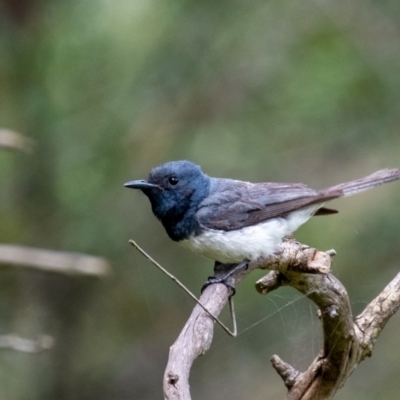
<point>347,341</point>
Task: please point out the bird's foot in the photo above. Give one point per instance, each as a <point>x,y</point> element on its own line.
<point>224,276</point>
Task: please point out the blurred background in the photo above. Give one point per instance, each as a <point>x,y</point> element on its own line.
<point>259,90</point>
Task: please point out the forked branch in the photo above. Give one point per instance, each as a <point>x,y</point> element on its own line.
<point>346,341</point>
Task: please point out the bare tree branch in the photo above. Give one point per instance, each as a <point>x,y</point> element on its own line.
<point>53,261</point>
<point>324,376</point>
<point>375,316</point>
<point>196,336</point>
<point>346,342</point>
<point>194,340</point>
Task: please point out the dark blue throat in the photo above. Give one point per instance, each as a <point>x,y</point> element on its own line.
<point>180,227</point>
<point>176,209</point>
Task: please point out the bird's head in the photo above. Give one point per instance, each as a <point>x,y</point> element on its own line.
<point>174,189</point>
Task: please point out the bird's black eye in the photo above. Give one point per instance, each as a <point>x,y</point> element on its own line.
<point>173,180</point>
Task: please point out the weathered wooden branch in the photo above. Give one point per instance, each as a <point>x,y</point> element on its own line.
<point>346,341</point>
<point>53,261</point>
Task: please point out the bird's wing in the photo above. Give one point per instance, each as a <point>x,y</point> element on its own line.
<point>235,204</point>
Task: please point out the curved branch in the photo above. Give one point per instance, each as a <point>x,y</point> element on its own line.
<point>346,343</point>
<point>333,365</point>
<point>196,336</point>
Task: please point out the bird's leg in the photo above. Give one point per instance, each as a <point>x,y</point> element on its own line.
<point>223,272</point>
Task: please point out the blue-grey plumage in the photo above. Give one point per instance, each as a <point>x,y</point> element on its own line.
<point>229,220</point>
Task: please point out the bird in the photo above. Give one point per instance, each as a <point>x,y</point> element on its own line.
<point>231,221</point>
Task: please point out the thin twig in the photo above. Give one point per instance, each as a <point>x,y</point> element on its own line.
<point>185,289</point>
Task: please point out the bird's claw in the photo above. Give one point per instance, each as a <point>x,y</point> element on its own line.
<point>211,280</point>
<point>224,279</point>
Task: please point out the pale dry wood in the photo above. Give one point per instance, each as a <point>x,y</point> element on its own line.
<point>373,319</point>
<point>326,374</point>
<point>196,336</point>
<point>53,261</point>
<point>346,341</point>
<point>194,340</point>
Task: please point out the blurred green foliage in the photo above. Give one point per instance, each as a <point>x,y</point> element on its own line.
<point>288,91</point>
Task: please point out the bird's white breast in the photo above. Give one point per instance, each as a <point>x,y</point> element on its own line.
<point>247,243</point>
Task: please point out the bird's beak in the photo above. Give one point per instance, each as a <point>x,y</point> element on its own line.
<point>140,184</point>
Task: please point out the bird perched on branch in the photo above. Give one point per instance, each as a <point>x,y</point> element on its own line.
<point>231,221</point>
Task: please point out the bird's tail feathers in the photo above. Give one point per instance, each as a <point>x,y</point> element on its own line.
<point>378,178</point>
